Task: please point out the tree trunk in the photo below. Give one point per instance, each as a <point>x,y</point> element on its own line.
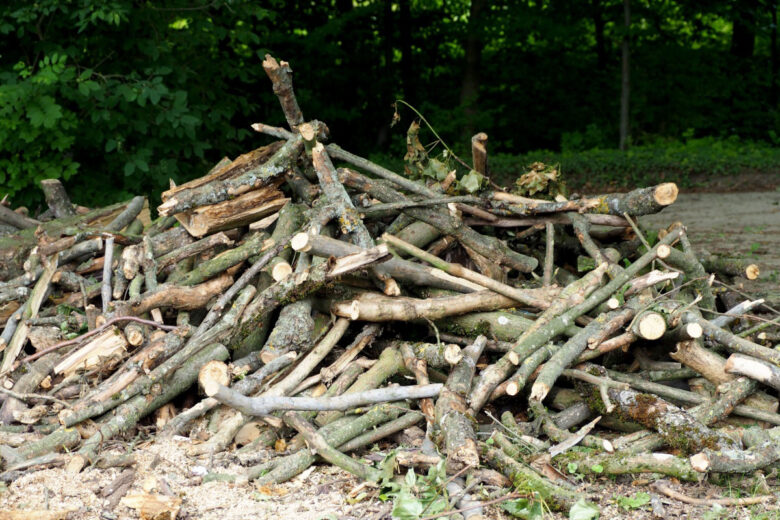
<point>406,50</point>
<point>469,92</point>
<point>388,82</point>
<point>743,34</point>
<point>773,59</point>
<point>598,26</point>
<point>626,77</point>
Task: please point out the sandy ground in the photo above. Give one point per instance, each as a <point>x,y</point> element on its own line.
<point>735,223</point>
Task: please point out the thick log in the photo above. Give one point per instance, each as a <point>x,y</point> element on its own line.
<point>378,307</point>
<point>240,211</point>
<point>178,297</point>
<point>757,369</point>
<point>248,385</point>
<point>402,270</point>
<point>733,342</point>
<point>679,428</point>
<point>57,198</point>
<point>245,174</point>
<point>15,219</point>
<point>451,411</point>
<point>105,349</point>
<point>728,265</point>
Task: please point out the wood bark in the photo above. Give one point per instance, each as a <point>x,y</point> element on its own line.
<point>444,222</point>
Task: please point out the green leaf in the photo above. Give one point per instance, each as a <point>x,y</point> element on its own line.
<point>524,508</point>
<point>129,168</point>
<point>411,479</point>
<point>572,467</point>
<point>141,165</point>
<point>597,468</point>
<point>127,92</point>
<point>406,506</point>
<point>435,169</point>
<point>154,96</point>
<point>585,263</point>
<point>582,510</point>
<point>634,502</point>
<point>717,511</point>
<point>472,181</point>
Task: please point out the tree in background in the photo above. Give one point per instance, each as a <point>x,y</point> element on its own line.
<point>116,96</point>
<point>625,75</point>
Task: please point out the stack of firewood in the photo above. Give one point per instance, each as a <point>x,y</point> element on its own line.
<point>307,297</point>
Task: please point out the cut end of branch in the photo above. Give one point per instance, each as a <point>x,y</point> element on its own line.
<point>752,271</point>
<point>663,251</point>
<point>538,392</point>
<point>651,326</point>
<point>391,288</point>
<point>309,133</point>
<point>666,193</point>
<point>300,242</point>
<point>513,358</point>
<point>700,462</point>
<point>210,388</point>
<point>166,208</point>
<point>512,388</point>
<point>452,354</point>
<point>693,330</point>
<point>270,63</point>
<point>281,271</point>
<point>212,375</point>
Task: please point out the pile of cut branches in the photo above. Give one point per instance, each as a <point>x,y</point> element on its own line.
<point>328,308</point>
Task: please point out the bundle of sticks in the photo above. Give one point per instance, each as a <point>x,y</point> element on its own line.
<point>307,298</point>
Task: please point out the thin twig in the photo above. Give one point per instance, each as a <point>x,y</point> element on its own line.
<point>30,397</point>
<point>745,501</point>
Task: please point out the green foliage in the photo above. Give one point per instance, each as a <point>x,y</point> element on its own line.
<point>717,511</point>
<point>682,162</point>
<point>636,501</point>
<point>584,510</point>
<point>417,495</point>
<point>585,263</point>
<point>420,164</point>
<point>541,180</point>
<point>524,508</point>
<point>116,97</point>
<point>100,89</point>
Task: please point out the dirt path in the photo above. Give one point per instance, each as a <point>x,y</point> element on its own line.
<point>736,224</point>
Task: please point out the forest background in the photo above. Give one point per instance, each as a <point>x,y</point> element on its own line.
<point>116,97</point>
